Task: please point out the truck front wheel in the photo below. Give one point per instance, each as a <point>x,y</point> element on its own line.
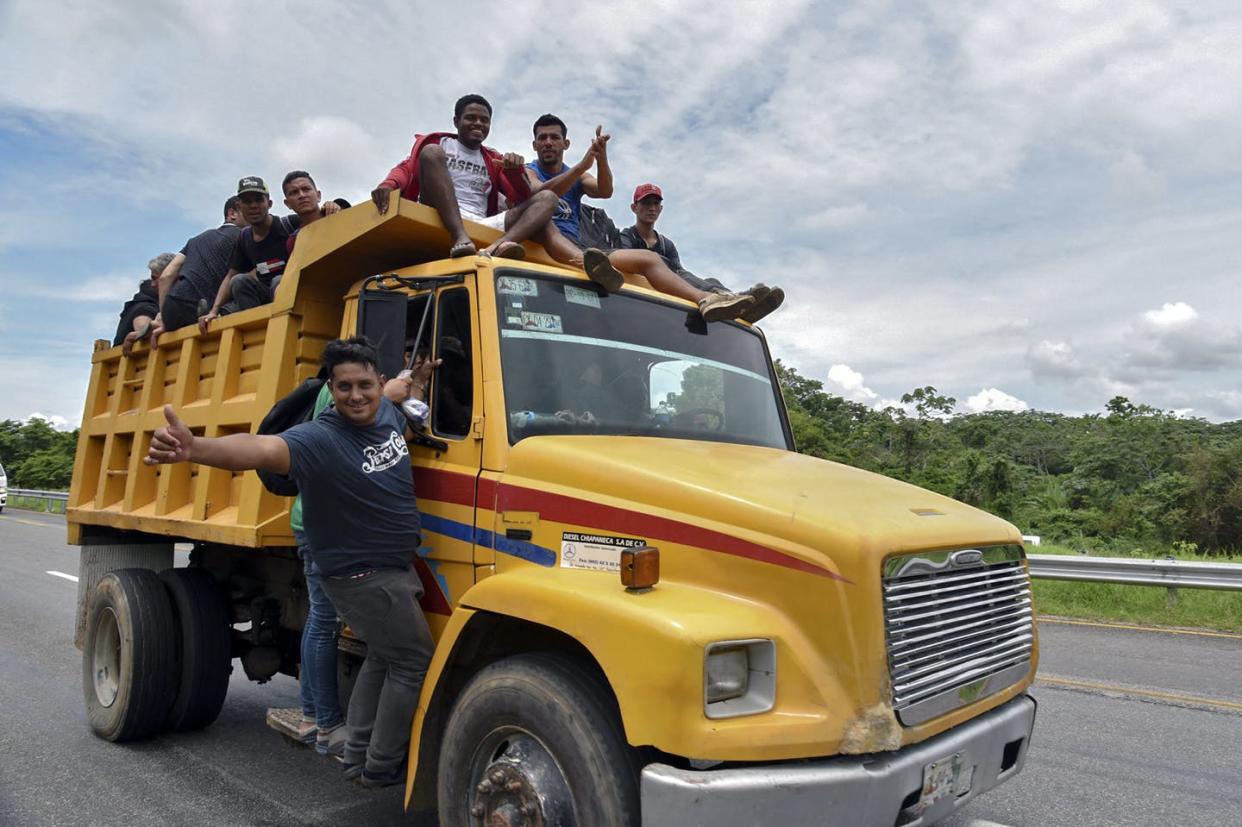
<point>535,739</point>
<point>128,656</point>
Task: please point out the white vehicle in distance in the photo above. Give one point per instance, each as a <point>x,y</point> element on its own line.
<point>4,489</point>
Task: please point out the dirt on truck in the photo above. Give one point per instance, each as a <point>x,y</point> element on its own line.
<point>648,607</point>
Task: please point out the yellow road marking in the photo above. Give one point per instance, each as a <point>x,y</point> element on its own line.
<point>1142,693</point>
<point>1133,628</point>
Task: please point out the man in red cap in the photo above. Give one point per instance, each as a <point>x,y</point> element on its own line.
<point>647,205</point>
<point>549,173</point>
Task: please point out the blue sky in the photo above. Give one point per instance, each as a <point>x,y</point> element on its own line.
<point>1023,205</point>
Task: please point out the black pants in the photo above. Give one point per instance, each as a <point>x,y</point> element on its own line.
<point>178,312</point>
<point>248,291</point>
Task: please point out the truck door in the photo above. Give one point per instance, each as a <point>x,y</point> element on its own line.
<point>445,481</point>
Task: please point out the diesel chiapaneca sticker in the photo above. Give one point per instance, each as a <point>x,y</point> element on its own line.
<point>598,552</point>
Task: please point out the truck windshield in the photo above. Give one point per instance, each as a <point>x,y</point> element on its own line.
<point>577,362</point>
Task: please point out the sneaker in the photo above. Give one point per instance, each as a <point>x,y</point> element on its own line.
<point>331,741</point>
<point>716,307</point>
<point>375,780</point>
<point>773,299</point>
<point>600,270</point>
<point>353,771</point>
<point>306,731</point>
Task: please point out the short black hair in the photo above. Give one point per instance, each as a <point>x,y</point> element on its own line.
<point>232,204</point>
<point>549,119</point>
<point>356,349</point>
<point>297,173</point>
<point>466,100</point>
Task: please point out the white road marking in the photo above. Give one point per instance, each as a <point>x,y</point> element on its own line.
<point>72,577</point>
<point>979,822</point>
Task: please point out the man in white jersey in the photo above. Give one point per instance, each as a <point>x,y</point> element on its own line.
<point>462,179</point>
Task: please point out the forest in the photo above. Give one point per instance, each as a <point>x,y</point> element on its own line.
<point>1132,477</point>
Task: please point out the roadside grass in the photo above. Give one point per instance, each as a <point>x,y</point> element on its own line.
<point>36,504</point>
<point>1140,605</point>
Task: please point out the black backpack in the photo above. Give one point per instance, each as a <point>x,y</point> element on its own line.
<point>296,408</point>
<point>596,229</point>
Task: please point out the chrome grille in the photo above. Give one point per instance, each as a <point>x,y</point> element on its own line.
<point>958,625</point>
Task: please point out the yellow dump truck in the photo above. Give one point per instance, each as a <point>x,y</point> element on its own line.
<point>649,608</point>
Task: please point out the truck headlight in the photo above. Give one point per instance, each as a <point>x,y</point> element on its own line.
<point>739,678</point>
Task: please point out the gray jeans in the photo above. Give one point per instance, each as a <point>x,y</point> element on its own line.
<point>382,609</point>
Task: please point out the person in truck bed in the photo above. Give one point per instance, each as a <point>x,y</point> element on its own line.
<point>190,282</point>
<point>139,313</point>
<point>549,173</point>
<point>462,179</point>
<point>261,252</point>
<point>352,468</point>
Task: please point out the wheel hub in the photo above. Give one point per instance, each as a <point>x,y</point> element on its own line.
<point>106,659</point>
<point>520,787</point>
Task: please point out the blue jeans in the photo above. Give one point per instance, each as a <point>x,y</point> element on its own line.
<point>319,700</point>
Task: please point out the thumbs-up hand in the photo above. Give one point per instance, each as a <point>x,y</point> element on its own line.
<point>170,444</point>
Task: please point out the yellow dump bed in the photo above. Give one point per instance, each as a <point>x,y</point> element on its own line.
<point>226,381</point>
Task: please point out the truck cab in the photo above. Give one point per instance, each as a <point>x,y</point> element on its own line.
<point>648,607</point>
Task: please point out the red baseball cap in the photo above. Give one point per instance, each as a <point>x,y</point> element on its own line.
<point>644,190</point>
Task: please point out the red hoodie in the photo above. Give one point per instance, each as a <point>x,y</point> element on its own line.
<point>512,182</point>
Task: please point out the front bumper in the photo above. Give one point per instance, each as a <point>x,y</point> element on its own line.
<point>853,790</point>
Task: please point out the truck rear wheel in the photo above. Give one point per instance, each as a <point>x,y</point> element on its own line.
<point>128,655</point>
<point>204,649</point>
<point>535,739</point>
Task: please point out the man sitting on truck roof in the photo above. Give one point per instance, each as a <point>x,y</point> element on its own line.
<point>549,173</point>
<point>647,205</point>
<point>260,255</point>
<point>190,282</point>
<point>463,179</point>
<point>352,468</point>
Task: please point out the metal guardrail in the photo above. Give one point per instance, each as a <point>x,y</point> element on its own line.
<point>54,501</point>
<point>1171,574</point>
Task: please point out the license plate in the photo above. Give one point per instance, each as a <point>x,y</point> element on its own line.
<point>939,779</point>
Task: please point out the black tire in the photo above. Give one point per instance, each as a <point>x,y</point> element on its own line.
<point>128,655</point>
<point>204,648</point>
<point>538,731</point>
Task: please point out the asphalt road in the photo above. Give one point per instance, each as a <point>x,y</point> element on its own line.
<point>1134,727</point>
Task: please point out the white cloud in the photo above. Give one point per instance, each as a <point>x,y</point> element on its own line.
<point>1171,315</point>
<point>60,423</point>
<point>993,399</point>
<point>846,382</point>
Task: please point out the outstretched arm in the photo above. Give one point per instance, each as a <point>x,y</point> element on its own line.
<point>235,452</point>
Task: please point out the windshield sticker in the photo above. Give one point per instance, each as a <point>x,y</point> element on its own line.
<point>542,322</point>
<point>582,296</point>
<point>597,552</point>
<point>514,286</point>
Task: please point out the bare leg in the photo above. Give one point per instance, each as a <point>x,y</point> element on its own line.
<point>526,220</point>
<point>436,190</point>
<point>558,246</point>
<point>652,267</point>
